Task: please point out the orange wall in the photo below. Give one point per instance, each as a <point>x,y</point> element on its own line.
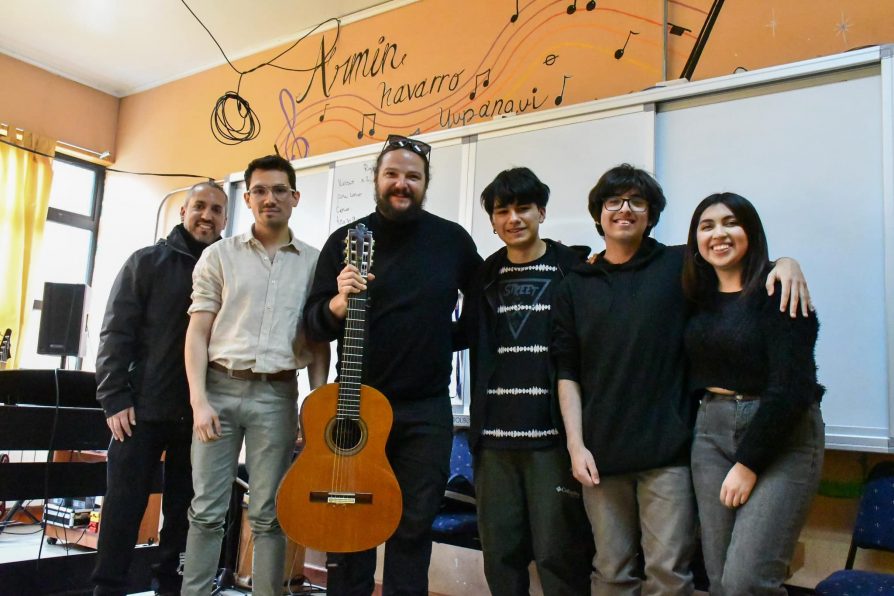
<point>415,68</point>
<point>55,107</point>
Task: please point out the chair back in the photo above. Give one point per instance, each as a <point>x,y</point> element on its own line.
<point>875,518</point>
<point>461,483</point>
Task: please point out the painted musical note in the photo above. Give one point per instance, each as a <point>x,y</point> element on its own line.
<point>323,115</point>
<point>372,127</point>
<point>293,145</point>
<point>591,5</point>
<point>619,53</point>
<point>484,83</point>
<point>678,30</point>
<point>561,95</point>
<point>550,59</point>
<point>514,17</point>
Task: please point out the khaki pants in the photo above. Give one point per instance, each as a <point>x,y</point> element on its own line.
<point>265,415</point>
<point>654,509</point>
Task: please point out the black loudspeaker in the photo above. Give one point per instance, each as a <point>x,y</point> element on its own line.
<point>63,320</point>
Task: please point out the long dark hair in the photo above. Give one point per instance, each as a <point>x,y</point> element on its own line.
<point>699,279</point>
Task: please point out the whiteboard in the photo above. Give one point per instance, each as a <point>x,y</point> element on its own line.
<point>569,159</point>
<point>811,143</point>
<point>307,217</point>
<point>810,159</point>
<point>353,190</point>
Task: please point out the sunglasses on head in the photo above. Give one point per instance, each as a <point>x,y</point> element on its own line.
<point>402,142</point>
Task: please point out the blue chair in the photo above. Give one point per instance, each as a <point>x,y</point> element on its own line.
<point>874,529</point>
<point>457,522</point>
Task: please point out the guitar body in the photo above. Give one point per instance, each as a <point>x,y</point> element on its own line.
<point>341,495</point>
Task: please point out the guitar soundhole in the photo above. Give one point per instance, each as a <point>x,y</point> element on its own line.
<point>346,436</point>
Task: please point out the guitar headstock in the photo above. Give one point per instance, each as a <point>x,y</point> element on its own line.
<point>359,248</point>
<point>5,345</point>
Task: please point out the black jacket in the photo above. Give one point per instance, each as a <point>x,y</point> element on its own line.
<point>618,331</point>
<point>480,325</point>
<point>140,358</point>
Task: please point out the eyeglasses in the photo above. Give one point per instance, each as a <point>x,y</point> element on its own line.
<point>280,191</point>
<point>401,142</point>
<point>636,204</point>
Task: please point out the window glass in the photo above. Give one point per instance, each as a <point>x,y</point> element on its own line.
<point>72,188</point>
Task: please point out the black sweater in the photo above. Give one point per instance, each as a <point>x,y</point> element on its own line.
<point>619,334</point>
<point>419,267</point>
<point>480,322</point>
<point>746,345</point>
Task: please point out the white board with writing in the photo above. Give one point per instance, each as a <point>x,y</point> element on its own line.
<point>353,192</point>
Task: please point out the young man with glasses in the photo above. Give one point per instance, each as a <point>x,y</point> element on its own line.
<point>141,385</point>
<point>618,343</point>
<point>529,505</point>
<point>421,264</point>
<point>244,344</point>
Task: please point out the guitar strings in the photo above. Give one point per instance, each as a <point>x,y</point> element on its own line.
<point>343,467</point>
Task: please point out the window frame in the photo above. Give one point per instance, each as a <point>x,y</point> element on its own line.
<point>77,220</point>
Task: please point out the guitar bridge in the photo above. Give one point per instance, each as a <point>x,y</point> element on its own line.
<point>340,498</point>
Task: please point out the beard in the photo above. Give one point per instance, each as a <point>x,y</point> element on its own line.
<point>383,202</point>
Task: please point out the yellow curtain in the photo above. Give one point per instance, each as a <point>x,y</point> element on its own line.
<point>25,180</point>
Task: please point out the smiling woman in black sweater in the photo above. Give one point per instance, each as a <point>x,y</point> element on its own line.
<point>758,448</point>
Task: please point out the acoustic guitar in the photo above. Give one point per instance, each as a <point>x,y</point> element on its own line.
<point>341,495</point>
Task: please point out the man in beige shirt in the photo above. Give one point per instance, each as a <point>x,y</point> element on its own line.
<point>244,344</point>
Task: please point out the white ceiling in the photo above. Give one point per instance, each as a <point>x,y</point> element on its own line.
<point>125,46</point>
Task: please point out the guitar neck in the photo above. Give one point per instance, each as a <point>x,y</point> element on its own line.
<point>351,370</point>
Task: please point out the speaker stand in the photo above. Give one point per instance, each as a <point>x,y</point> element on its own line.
<point>7,520</point>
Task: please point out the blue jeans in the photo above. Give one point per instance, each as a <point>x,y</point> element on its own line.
<point>748,549</point>
<point>653,509</point>
<point>265,415</point>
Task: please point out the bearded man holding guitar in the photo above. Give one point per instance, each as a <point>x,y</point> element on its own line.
<point>422,262</point>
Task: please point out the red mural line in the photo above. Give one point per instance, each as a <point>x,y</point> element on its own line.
<point>535,29</point>
<point>689,6</point>
<point>532,49</point>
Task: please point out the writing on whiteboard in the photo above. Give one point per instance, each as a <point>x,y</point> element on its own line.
<point>353,193</point>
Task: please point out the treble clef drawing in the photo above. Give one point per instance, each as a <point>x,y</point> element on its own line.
<point>288,142</point>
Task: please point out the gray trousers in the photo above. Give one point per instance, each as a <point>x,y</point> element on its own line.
<point>748,549</point>
<point>654,509</point>
<point>529,508</point>
<point>265,415</point>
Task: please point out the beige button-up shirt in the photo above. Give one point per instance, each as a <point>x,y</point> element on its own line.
<point>257,301</point>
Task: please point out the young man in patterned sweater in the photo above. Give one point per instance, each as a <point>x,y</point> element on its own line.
<point>529,505</point>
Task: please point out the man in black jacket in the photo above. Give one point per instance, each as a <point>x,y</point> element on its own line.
<point>141,385</point>
<point>529,505</point>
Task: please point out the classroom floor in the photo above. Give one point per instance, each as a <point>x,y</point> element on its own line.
<point>22,543</point>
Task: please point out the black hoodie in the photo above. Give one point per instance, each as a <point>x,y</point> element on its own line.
<point>619,334</point>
